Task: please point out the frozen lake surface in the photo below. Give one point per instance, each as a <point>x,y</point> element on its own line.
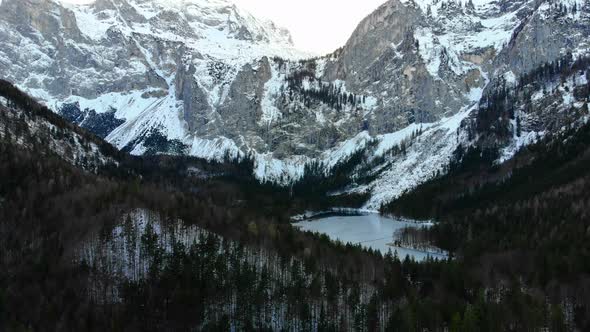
<point>370,230</point>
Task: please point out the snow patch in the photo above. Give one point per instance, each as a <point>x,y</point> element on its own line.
<point>90,25</point>
<point>214,149</point>
<point>284,172</point>
<point>518,143</point>
<point>429,50</point>
<point>272,88</point>
<point>429,154</point>
<point>345,149</point>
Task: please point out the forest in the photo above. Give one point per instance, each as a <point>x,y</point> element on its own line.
<point>519,262</point>
<point>319,92</point>
<point>527,217</point>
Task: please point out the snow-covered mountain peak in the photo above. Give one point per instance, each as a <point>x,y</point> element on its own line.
<point>226,15</point>
<point>473,4</point>
<point>206,78</point>
<point>220,23</point>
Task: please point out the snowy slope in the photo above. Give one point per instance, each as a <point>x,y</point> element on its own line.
<point>33,131</point>
<point>215,27</point>
<point>206,78</point>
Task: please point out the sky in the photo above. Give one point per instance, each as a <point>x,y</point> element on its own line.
<point>317,26</point>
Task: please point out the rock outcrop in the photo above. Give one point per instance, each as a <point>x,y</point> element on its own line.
<point>217,81</point>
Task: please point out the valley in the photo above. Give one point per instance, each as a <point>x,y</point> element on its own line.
<point>159,160</point>
<point>214,88</point>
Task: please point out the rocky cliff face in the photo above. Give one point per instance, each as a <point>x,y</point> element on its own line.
<point>208,79</point>
<point>161,65</point>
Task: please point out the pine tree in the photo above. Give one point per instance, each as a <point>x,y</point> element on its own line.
<point>455,323</point>
<point>557,319</point>
<point>470,320</point>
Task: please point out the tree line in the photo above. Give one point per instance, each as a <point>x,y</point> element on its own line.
<point>252,266</point>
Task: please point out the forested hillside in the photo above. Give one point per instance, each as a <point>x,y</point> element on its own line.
<point>154,155</point>
<point>242,268</point>
<point>525,218</point>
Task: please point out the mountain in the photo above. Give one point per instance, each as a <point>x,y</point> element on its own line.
<point>92,238</point>
<point>125,249</point>
<point>33,127</point>
<point>432,63</point>
<point>205,78</point>
<point>140,67</point>
<point>144,246</point>
<point>119,250</point>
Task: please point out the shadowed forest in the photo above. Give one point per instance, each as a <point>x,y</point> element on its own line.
<point>214,249</point>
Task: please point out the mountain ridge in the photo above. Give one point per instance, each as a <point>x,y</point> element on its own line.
<point>428,67</point>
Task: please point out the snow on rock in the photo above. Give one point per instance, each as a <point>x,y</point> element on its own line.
<point>214,149</point>
<point>388,141</point>
<point>556,97</point>
<point>344,150</point>
<point>429,51</point>
<point>127,105</point>
<point>160,113</point>
<point>270,113</point>
<point>428,154</point>
<point>91,27</point>
<point>518,143</point>
<point>176,66</point>
<point>283,172</point>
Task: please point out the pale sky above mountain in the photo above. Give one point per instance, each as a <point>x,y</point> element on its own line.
<point>318,26</point>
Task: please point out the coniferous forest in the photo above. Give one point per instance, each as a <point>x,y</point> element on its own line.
<point>234,165</point>
<point>94,239</point>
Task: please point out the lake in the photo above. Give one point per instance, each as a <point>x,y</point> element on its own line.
<point>368,229</point>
